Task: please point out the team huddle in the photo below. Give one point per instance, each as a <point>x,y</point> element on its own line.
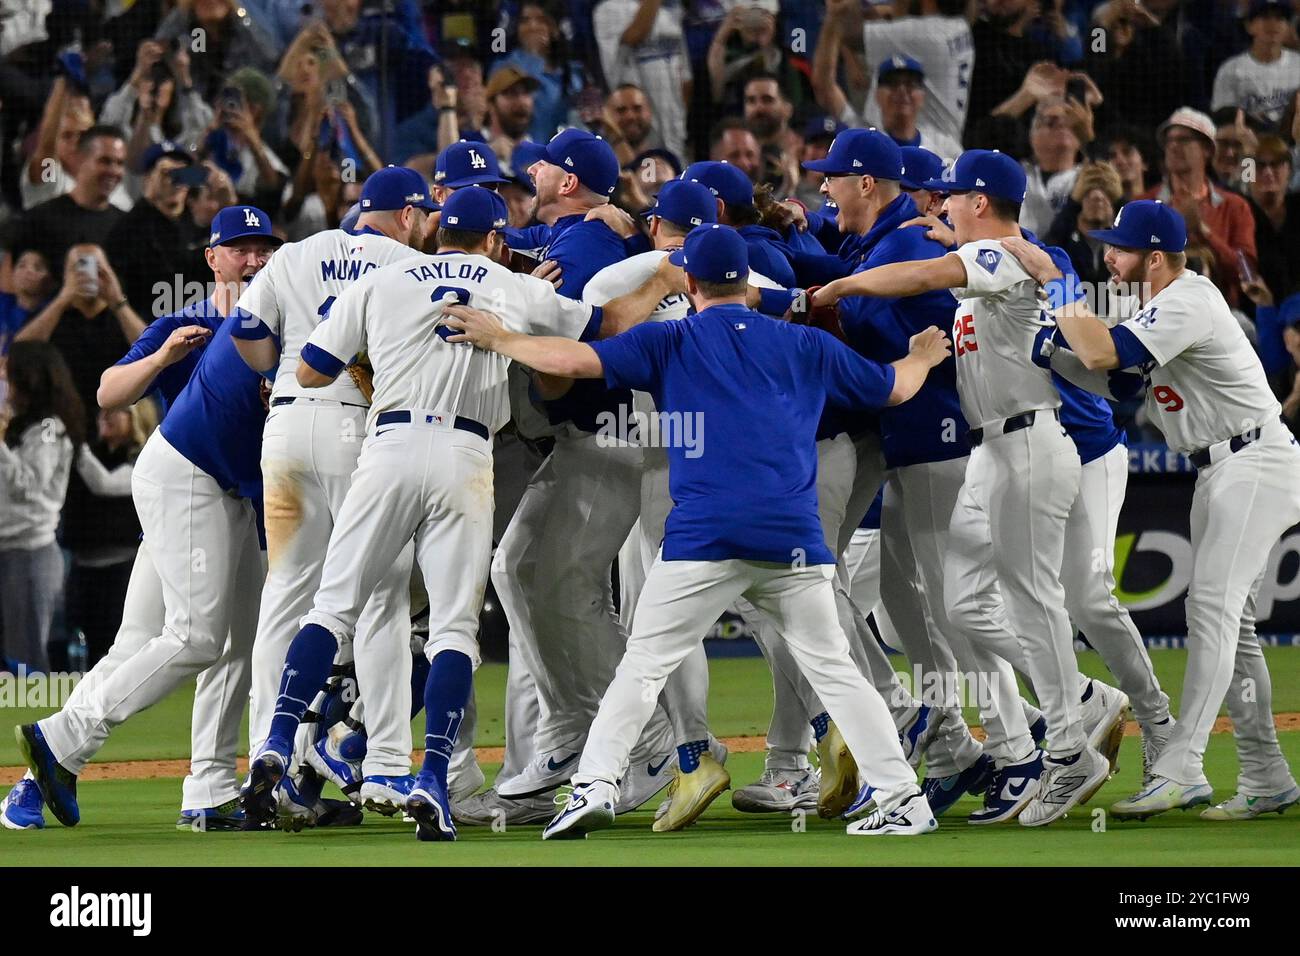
<point>897,410</point>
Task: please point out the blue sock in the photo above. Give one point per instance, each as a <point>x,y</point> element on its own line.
<point>306,668</point>
<point>820,725</point>
<point>446,693</point>
<point>688,755</point>
<point>419,680</point>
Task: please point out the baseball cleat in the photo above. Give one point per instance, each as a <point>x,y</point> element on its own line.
<point>912,817</point>
<point>942,792</point>
<point>57,785</point>
<point>339,762</point>
<point>863,803</point>
<point>296,800</point>
<point>226,817</point>
<point>1161,794</point>
<point>427,804</point>
<point>1065,784</point>
<point>545,773</point>
<point>719,751</point>
<point>387,795</point>
<point>1009,791</point>
<point>1154,738</point>
<point>1242,807</point>
<point>491,809</point>
<point>337,813</point>
<point>839,774</point>
<point>463,784</point>
<point>257,797</point>
<point>1102,711</point>
<point>22,807</point>
<point>919,733</point>
<point>589,807</point>
<point>691,793</point>
<point>779,791</point>
<point>648,772</point>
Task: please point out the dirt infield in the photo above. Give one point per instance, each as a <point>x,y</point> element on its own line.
<point>164,769</point>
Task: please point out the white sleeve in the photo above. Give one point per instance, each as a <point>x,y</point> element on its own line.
<point>342,333</point>
<point>101,481</point>
<point>608,26</point>
<point>1170,329</point>
<point>760,281</point>
<point>1224,88</point>
<point>260,298</point>
<point>550,313</point>
<point>990,269</point>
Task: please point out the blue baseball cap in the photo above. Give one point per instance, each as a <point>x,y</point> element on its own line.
<point>982,171</point>
<point>164,148</point>
<point>349,221</point>
<point>729,183</point>
<point>685,203</point>
<point>822,127</point>
<point>898,63</point>
<point>1259,8</point>
<point>236,222</point>
<point>714,253</point>
<point>396,187</point>
<point>474,209</point>
<point>466,164</point>
<point>919,165</point>
<point>1146,224</point>
<point>575,151</point>
<point>861,152</point>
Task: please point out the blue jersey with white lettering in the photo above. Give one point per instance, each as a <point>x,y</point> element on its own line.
<point>929,427</point>
<point>747,391</point>
<point>169,382</point>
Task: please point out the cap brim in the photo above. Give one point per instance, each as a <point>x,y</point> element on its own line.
<point>1112,237</point>
<point>941,186</point>
<point>528,153</point>
<point>473,181</point>
<point>822,166</point>
<point>678,258</point>
<point>271,238</point>
<point>427,205</point>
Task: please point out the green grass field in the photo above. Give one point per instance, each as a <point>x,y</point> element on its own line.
<point>127,822</point>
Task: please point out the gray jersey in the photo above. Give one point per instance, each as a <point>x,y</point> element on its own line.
<point>1262,89</point>
<point>999,331</point>
<point>1206,384</point>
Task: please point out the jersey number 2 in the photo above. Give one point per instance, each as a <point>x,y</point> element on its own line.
<point>963,334</point>
<point>1169,400</point>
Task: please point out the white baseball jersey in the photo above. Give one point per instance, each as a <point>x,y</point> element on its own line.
<point>1263,89</point>
<point>944,46</point>
<point>1206,384</point>
<point>394,314</point>
<point>999,329</point>
<point>297,289</point>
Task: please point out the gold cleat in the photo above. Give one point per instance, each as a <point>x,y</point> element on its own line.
<point>839,787</point>
<point>689,794</point>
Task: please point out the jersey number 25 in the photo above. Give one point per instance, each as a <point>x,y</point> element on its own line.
<point>963,334</point>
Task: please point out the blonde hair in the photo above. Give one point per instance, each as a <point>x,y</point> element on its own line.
<point>144,419</point>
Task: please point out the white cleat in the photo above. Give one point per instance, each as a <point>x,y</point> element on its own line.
<point>1161,794</point>
<point>589,807</point>
<point>1103,712</point>
<point>1154,738</point>
<point>545,773</point>
<point>491,809</point>
<point>1242,807</point>
<point>912,817</point>
<point>1065,784</point>
<point>646,776</point>
<point>463,785</point>
<point>779,791</point>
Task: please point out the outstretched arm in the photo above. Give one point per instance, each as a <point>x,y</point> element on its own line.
<point>551,355</point>
<point>925,350</point>
<point>897,280</point>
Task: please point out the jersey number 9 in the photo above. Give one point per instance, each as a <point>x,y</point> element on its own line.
<point>1167,398</point>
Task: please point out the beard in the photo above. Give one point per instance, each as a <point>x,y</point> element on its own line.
<point>763,127</point>
<point>515,125</point>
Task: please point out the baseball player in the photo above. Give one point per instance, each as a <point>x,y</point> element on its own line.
<point>424,472</point>
<point>195,486</point>
<point>465,164</point>
<point>1207,391</point>
<point>753,534</point>
<point>310,447</point>
<point>1022,476</point>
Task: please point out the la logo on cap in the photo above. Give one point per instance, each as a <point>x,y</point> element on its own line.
<point>250,219</point>
<point>1117,215</point>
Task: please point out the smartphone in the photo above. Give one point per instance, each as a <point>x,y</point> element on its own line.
<point>336,92</point>
<point>231,99</point>
<point>88,265</point>
<point>1076,90</point>
<point>190,176</point>
<point>1244,268</point>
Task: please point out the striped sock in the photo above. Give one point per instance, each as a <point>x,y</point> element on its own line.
<point>688,755</point>
<point>820,725</point>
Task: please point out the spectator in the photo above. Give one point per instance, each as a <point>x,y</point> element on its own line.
<point>627,122</point>
<point>541,50</point>
<point>100,526</point>
<point>201,206</point>
<point>1093,202</point>
<point>1277,327</point>
<point>746,45</point>
<point>919,167</point>
<point>51,171</point>
<point>149,245</point>
<point>940,40</point>
<point>40,427</point>
<point>732,142</point>
<point>423,135</point>
<point>317,78</point>
<point>85,214</point>
<point>1057,135</point>
<point>89,321</point>
<point>1046,81</point>
<point>642,42</point>
<point>1262,80</point>
<point>1005,52</point>
<point>509,109</point>
<point>1127,150</point>
<point>1277,218</point>
<point>767,115</point>
<point>1216,217</point>
<point>1234,146</point>
<point>32,286</point>
<point>1139,69</point>
<point>1190,34</point>
<point>230,41</point>
<point>817,138</point>
<point>900,98</point>
<point>237,144</point>
<point>640,180</point>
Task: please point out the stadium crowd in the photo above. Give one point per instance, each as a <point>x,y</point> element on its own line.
<point>127,125</point>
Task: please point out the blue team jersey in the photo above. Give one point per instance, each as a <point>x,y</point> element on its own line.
<point>750,390</point>
<point>930,426</point>
<point>216,420</point>
<point>12,318</point>
<point>169,383</point>
<point>768,254</point>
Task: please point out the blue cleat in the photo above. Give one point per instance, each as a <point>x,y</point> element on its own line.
<point>920,733</point>
<point>943,792</point>
<point>267,769</point>
<point>1010,791</point>
<point>429,807</point>
<point>339,763</point>
<point>58,786</point>
<point>864,802</point>
<point>23,808</point>
<point>228,816</point>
